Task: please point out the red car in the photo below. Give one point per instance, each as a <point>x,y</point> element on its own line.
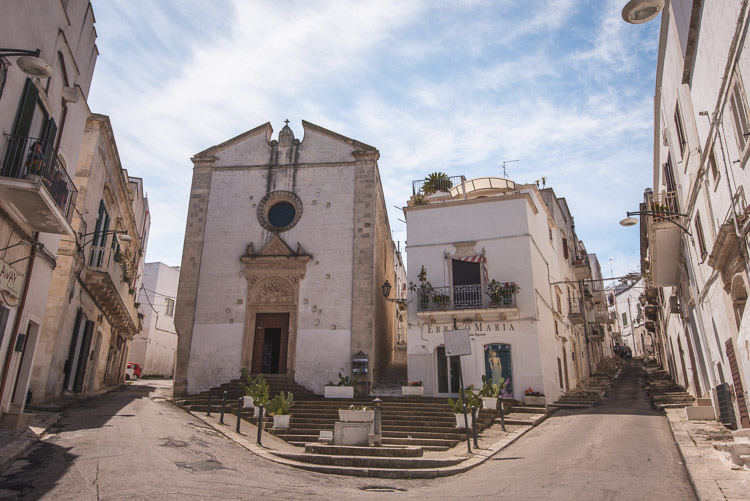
<point>136,370</point>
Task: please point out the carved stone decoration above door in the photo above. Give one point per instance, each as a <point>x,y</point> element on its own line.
<point>274,275</point>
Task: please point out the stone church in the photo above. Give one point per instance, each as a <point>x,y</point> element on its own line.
<point>287,246</point>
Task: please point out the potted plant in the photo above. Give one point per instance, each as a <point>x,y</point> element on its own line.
<point>257,391</point>
<point>343,389</point>
<point>442,300</point>
<point>424,289</point>
<point>501,294</point>
<point>412,389</point>
<point>471,399</point>
<point>279,409</point>
<point>490,391</point>
<point>535,398</point>
<point>357,414</point>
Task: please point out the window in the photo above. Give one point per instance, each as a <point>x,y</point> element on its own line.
<point>713,167</point>
<point>739,113</point>
<point>557,329</point>
<point>170,307</point>
<point>550,234</point>
<point>566,254</point>
<point>279,211</point>
<point>624,319</point>
<point>680,128</point>
<point>699,236</point>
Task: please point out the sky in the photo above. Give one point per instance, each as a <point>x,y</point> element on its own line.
<point>565,87</point>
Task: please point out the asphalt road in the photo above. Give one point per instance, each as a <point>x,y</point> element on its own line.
<point>132,444</point>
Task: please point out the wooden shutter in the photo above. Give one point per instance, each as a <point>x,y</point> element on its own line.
<point>739,391</point>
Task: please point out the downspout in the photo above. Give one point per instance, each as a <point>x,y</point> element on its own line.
<point>19,314</point>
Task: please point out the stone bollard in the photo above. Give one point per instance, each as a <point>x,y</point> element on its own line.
<point>223,407</point>
<point>208,411</point>
<point>377,435</point>
<point>239,412</point>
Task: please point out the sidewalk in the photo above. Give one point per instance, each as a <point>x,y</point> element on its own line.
<point>713,477</point>
<point>14,443</point>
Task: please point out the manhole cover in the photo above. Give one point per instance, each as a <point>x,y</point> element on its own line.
<point>382,488</point>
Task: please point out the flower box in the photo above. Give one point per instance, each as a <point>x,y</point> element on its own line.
<point>354,416</point>
<point>412,391</point>
<point>339,392</point>
<point>535,401</point>
<point>281,421</point>
<point>460,423</point>
<point>489,403</point>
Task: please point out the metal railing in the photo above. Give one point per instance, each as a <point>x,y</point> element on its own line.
<point>574,306</point>
<point>665,205</point>
<point>580,260</point>
<point>418,187</point>
<point>461,297</point>
<point>28,158</point>
<point>103,259</point>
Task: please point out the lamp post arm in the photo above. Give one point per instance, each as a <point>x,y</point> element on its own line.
<point>20,52</point>
<point>662,213</point>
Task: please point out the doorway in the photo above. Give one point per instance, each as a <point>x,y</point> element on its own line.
<point>448,369</point>
<point>270,346</point>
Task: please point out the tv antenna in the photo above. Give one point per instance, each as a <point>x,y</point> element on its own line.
<point>505,172</point>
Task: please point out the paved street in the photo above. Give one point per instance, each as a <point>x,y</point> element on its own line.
<point>132,444</point>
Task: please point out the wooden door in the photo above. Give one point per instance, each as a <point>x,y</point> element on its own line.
<point>265,325</point>
<point>738,389</point>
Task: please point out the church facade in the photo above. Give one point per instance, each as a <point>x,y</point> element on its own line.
<point>286,248</point>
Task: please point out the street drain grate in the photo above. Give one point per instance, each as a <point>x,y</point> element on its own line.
<point>381,488</point>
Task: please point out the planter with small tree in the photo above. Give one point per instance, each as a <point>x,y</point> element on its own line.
<point>343,389</point>
<point>534,398</point>
<point>472,400</point>
<point>279,408</point>
<point>412,389</point>
<point>490,391</point>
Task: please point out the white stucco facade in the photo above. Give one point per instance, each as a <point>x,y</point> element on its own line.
<point>521,235</point>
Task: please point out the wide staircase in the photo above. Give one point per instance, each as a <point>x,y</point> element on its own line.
<point>665,393</point>
<point>406,421</point>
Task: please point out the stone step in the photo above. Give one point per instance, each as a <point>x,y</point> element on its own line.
<point>528,410</point>
<point>370,461</point>
<point>350,450</point>
<point>522,419</point>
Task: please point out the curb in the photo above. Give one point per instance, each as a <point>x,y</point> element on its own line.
<point>25,441</point>
<point>705,486</point>
<point>476,459</point>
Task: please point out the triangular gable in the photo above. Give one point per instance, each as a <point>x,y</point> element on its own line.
<point>276,247</point>
<point>213,150</point>
<point>357,145</point>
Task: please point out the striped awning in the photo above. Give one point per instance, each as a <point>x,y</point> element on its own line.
<point>478,258</point>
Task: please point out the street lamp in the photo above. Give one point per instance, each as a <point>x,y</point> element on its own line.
<point>124,237</point>
<point>387,292</point>
<point>29,62</point>
<point>631,221</point>
<point>641,11</point>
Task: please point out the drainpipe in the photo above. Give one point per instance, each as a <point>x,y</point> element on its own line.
<point>19,314</point>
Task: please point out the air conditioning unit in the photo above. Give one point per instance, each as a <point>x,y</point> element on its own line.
<point>674,304</point>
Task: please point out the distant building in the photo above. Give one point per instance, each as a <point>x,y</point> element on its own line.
<point>154,348</point>
<point>628,311</point>
<point>91,316</point>
<point>42,120</point>
<point>286,250</point>
<point>503,261</point>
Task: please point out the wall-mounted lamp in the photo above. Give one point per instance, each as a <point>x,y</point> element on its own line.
<point>631,221</point>
<point>387,292</point>
<point>124,237</point>
<point>641,11</point>
<point>29,62</point>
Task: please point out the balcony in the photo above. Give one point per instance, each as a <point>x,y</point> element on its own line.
<point>420,187</point>
<point>104,278</point>
<point>581,267</point>
<point>35,189</point>
<point>464,297</point>
<point>665,237</point>
<point>575,314</point>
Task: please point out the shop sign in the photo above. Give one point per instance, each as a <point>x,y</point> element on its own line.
<point>10,280</point>
<point>476,329</point>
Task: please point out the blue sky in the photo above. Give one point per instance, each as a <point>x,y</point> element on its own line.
<point>564,86</point>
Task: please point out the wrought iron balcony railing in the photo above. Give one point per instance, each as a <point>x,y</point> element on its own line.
<point>462,297</point>
<point>420,187</point>
<point>28,158</point>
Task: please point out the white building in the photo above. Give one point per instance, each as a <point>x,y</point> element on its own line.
<point>43,110</point>
<point>286,251</point>
<point>630,320</point>
<point>530,327</point>
<point>154,348</point>
<point>694,240</point>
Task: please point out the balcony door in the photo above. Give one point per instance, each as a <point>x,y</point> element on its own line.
<point>467,284</point>
<point>448,369</point>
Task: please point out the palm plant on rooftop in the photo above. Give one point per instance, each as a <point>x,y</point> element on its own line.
<point>437,181</point>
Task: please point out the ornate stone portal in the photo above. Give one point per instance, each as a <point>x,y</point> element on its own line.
<point>273,277</point>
